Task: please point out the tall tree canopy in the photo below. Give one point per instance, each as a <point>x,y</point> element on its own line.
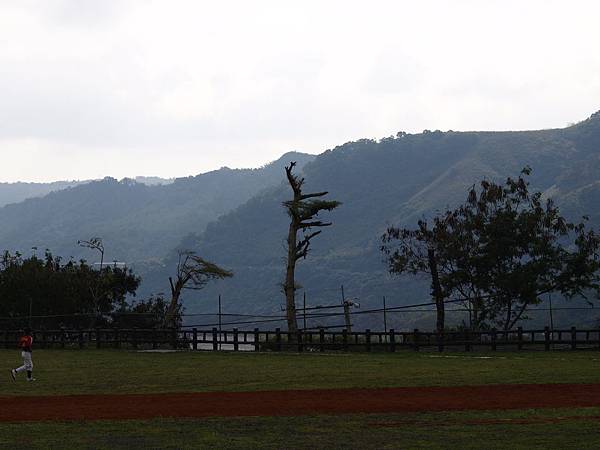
<point>499,251</point>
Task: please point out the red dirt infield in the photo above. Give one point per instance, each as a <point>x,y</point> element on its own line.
<point>298,402</point>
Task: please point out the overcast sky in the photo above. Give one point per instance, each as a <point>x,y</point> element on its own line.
<point>90,88</point>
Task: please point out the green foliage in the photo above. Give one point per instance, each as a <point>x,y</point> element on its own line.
<point>193,272</point>
<point>500,251</point>
<point>72,294</point>
<point>149,313</point>
<point>524,248</point>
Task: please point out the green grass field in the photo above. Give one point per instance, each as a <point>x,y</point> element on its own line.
<point>408,431</point>
<point>113,371</point>
<point>110,371</point>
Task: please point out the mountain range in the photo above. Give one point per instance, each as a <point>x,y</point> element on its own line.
<point>138,223</point>
<point>396,180</point>
<point>236,219</point>
<point>19,191</point>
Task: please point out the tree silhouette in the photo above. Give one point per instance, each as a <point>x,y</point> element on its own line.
<point>303,210</point>
<point>499,252</point>
<point>193,272</point>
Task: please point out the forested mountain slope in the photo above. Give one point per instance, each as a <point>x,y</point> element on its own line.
<point>138,222</point>
<point>395,180</point>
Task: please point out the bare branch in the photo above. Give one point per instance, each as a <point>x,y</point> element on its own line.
<point>318,223</point>
<point>316,194</point>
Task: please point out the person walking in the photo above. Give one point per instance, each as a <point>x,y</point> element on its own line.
<point>25,343</point>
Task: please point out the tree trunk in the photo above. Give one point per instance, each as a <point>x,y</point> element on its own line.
<point>170,319</point>
<point>476,315</point>
<point>436,290</point>
<point>508,316</point>
<point>517,316</point>
<point>290,281</point>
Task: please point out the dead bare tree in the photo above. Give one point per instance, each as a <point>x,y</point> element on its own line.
<point>302,209</point>
<point>193,272</point>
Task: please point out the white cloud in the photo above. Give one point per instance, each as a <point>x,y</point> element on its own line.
<point>171,88</point>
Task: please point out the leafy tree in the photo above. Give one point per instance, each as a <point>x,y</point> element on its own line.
<point>499,251</point>
<point>303,210</point>
<point>94,243</point>
<point>149,313</point>
<point>422,250</point>
<point>523,248</point>
<point>63,293</point>
<point>193,272</point>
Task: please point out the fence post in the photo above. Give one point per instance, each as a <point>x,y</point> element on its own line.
<point>117,338</point>
<point>174,336</point>
<point>98,337</point>
<point>494,339</point>
<point>368,339</point>
<point>195,338</point>
<point>80,339</point>
<point>299,336</point>
<point>392,340</point>
<point>321,340</point>
<point>134,341</point>
<point>256,340</point>
<point>278,338</point>
<point>154,338</point>
<point>236,346</point>
<point>573,338</point>
<point>546,338</point>
<point>467,340</point>
<point>416,339</point>
<point>215,340</point>
<point>519,338</point>
<point>345,339</point>
<point>62,338</point>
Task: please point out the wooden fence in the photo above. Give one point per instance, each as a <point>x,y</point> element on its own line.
<point>320,340</point>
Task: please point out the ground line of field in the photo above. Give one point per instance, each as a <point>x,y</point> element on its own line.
<point>298,402</point>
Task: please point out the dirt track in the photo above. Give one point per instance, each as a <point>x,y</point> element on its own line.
<point>300,402</point>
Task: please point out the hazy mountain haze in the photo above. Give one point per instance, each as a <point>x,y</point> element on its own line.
<point>138,222</point>
<point>19,191</point>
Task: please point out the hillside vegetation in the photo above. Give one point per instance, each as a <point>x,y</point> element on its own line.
<point>236,218</point>
<point>138,222</point>
<point>396,180</point>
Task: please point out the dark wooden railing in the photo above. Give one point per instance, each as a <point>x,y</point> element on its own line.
<point>311,340</point>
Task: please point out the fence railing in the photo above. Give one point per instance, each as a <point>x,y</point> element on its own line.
<point>311,340</point>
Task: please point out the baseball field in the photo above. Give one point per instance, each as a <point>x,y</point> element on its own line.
<point>125,399</point>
